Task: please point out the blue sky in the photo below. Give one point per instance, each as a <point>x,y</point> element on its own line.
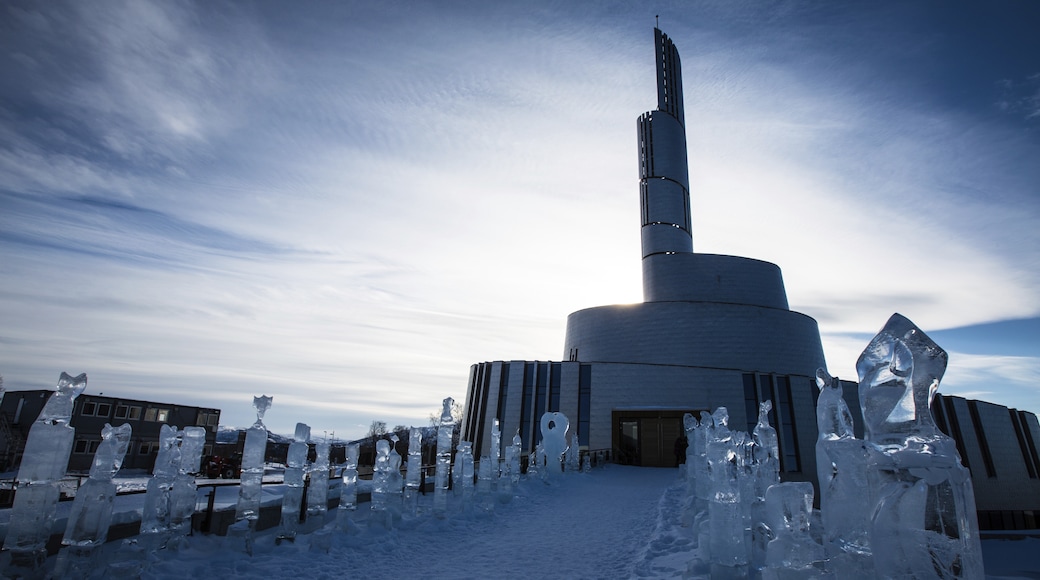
<point>345,204</point>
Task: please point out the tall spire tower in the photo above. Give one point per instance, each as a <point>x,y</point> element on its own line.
<point>664,182</point>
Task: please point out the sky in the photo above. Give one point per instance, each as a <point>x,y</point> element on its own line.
<point>344,205</point>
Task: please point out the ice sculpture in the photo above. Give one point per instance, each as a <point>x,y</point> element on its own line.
<point>44,461</point>
<point>249,490</point>
<point>690,424</point>
<point>554,441</point>
<point>485,491</point>
<point>924,521</point>
<point>381,486</point>
<point>510,470</point>
<point>573,453</point>
<point>845,493</point>
<point>444,436</point>
<point>295,474</point>
<point>728,547</point>
<point>155,517</point>
<point>395,482</point>
<point>413,479</point>
<point>91,513</point>
<point>318,491</point>
<point>767,452</point>
<point>348,496</point>
<point>792,553</point>
<point>514,460</point>
<point>183,492</point>
<point>462,476</point>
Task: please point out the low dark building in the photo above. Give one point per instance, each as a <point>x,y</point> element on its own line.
<point>19,410</point>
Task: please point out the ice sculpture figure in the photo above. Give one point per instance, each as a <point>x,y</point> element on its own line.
<point>381,485</point>
<point>845,493</point>
<point>573,453</point>
<point>295,474</point>
<point>514,461</point>
<point>690,424</point>
<point>413,479</point>
<point>554,441</point>
<point>792,553</point>
<point>158,509</point>
<point>318,491</point>
<point>728,547</point>
<point>254,452</point>
<point>444,437</point>
<point>183,492</point>
<point>462,476</point>
<point>44,461</point>
<point>767,452</point>
<point>348,496</point>
<point>496,449</point>
<point>91,513</point>
<point>395,482</point>
<point>924,522</point>
<point>485,492</point>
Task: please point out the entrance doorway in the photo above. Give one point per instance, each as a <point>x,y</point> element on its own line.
<point>648,437</point>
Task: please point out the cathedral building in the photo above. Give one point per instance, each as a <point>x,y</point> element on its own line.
<point>714,331</point>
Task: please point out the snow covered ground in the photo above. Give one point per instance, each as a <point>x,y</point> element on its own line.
<point>615,522</point>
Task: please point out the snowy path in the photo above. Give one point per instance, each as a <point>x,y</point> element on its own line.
<point>584,526</point>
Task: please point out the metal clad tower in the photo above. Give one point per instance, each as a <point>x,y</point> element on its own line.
<point>664,182</point>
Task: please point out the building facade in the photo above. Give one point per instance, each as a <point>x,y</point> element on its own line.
<point>714,331</point>
<point>19,410</point>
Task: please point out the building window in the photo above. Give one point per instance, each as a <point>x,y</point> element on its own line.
<point>135,412</point>
<point>148,447</point>
<point>955,429</point>
<point>88,408</point>
<point>527,393</point>
<point>162,415</point>
<point>81,446</point>
<point>94,445</point>
<point>554,386</point>
<point>584,403</point>
<point>104,409</point>
<point>788,436</point>
<point>980,435</point>
<point>122,411</point>
<point>503,389</point>
<point>208,419</point>
<point>1027,458</point>
<point>541,385</point>
<point>149,415</point>
<point>750,401</point>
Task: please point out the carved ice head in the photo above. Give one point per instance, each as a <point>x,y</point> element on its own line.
<point>690,422</point>
<point>58,408</point>
<point>446,410</point>
<point>899,373</point>
<point>261,404</point>
<point>110,453</point>
<point>833,419</point>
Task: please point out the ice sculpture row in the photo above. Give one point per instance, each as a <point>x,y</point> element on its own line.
<point>897,504</point>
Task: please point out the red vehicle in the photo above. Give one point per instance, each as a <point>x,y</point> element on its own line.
<point>216,466</point>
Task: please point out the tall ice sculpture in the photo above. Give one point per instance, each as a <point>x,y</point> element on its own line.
<point>247,511</point>
<point>924,522</point>
<point>91,514</point>
<point>444,435</point>
<point>44,462</point>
